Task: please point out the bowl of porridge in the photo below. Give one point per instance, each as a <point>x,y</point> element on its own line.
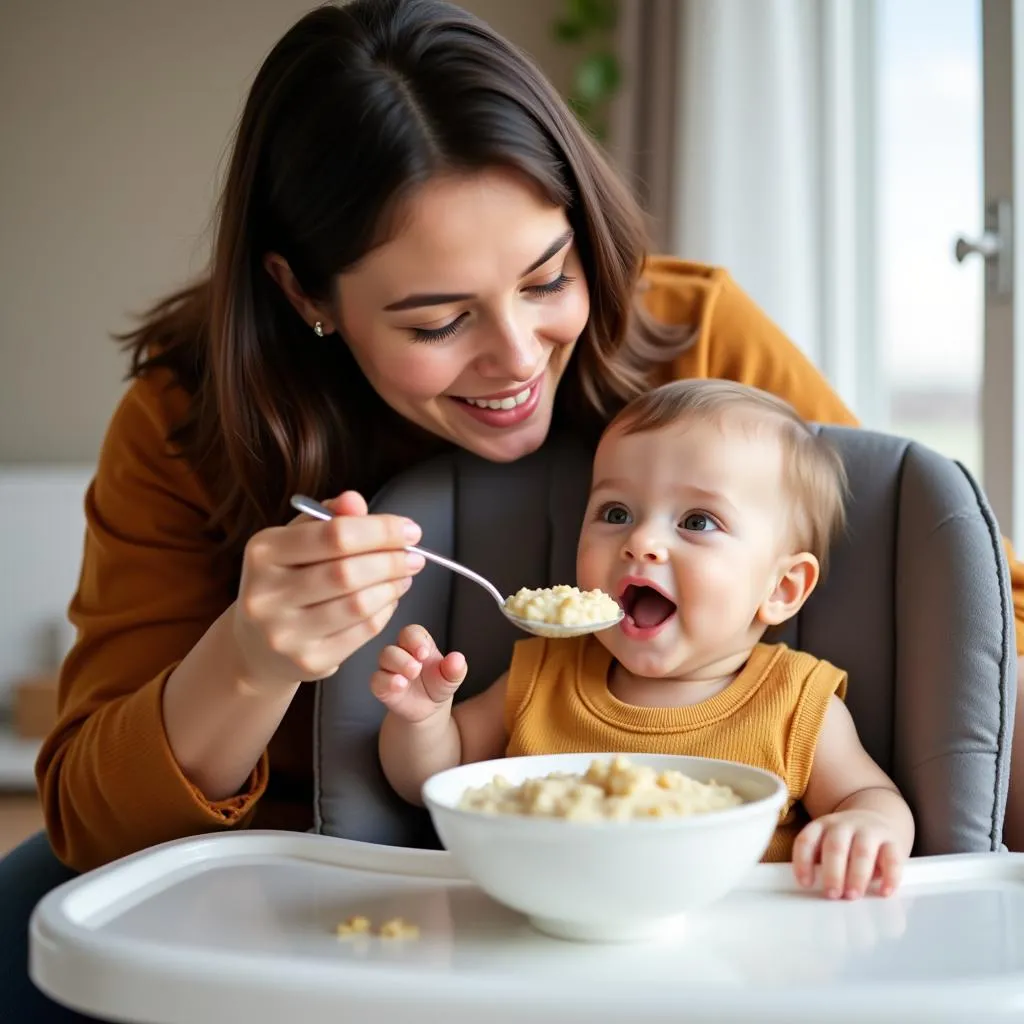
<point>605,847</point>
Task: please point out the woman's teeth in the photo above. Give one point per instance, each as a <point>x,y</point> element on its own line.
<point>500,403</point>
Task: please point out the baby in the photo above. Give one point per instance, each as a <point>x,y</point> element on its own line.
<point>711,513</point>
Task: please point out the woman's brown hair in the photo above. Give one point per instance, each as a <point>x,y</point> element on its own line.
<point>355,106</point>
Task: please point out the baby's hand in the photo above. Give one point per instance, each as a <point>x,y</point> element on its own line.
<point>414,680</point>
<point>853,848</point>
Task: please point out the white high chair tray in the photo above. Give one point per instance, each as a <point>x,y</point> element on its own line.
<point>242,927</point>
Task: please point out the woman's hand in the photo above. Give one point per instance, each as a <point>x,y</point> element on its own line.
<point>313,592</point>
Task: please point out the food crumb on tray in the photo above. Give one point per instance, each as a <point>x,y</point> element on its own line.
<point>393,928</point>
<point>356,925</point>
<point>399,928</point>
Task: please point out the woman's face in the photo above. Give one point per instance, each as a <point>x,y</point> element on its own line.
<point>465,320</point>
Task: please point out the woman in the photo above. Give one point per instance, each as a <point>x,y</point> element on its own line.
<point>417,248</point>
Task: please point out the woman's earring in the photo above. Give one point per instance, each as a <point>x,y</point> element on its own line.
<point>318,329</point>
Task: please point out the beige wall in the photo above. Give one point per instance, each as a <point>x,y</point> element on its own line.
<point>114,117</point>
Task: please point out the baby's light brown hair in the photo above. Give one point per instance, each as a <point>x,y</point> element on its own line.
<point>814,473</point>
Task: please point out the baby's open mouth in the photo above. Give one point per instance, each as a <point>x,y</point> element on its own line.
<point>645,606</point>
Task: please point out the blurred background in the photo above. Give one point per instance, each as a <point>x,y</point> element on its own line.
<point>829,153</point>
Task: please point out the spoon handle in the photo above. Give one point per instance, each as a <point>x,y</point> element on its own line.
<point>317,511</point>
<point>313,508</point>
<point>433,556</point>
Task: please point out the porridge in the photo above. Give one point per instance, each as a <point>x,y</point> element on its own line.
<point>355,925</point>
<point>399,928</point>
<point>563,606</point>
<point>615,790</point>
<point>395,928</point>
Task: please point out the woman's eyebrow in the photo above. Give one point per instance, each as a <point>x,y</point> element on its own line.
<point>421,299</point>
<point>555,247</point>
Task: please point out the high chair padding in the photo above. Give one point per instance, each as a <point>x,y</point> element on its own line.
<point>916,607</point>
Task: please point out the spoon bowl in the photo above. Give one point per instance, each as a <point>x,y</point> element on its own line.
<point>551,630</point>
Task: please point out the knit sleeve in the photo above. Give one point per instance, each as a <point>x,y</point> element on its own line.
<point>151,583</point>
<point>1017,585</point>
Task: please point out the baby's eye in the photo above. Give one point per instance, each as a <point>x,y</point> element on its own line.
<point>615,515</point>
<point>698,522</point>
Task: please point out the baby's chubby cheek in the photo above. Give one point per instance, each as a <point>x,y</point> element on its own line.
<point>592,571</point>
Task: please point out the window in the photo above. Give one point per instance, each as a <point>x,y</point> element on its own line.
<point>930,311</point>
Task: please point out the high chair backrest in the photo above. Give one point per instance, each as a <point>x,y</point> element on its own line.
<point>916,607</point>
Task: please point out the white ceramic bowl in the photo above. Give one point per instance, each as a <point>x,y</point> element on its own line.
<point>606,881</point>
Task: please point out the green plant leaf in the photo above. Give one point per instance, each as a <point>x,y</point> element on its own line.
<point>601,15</point>
<point>591,118</point>
<point>578,11</point>
<point>597,77</point>
<point>569,31</point>
<point>580,107</point>
<point>588,16</point>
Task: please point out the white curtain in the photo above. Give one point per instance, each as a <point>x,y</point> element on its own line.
<point>774,168</point>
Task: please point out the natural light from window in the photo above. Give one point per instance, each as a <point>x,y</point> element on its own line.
<point>929,191</point>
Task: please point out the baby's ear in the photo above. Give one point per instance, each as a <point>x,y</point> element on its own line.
<point>796,576</point>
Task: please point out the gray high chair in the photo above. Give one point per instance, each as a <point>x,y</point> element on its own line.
<point>916,607</point>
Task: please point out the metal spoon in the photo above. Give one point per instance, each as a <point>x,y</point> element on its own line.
<point>549,629</point>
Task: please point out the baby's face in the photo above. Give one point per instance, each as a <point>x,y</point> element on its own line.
<point>688,527</point>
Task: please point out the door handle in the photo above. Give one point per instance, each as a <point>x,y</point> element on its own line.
<point>995,246</point>
<point>988,245</point>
